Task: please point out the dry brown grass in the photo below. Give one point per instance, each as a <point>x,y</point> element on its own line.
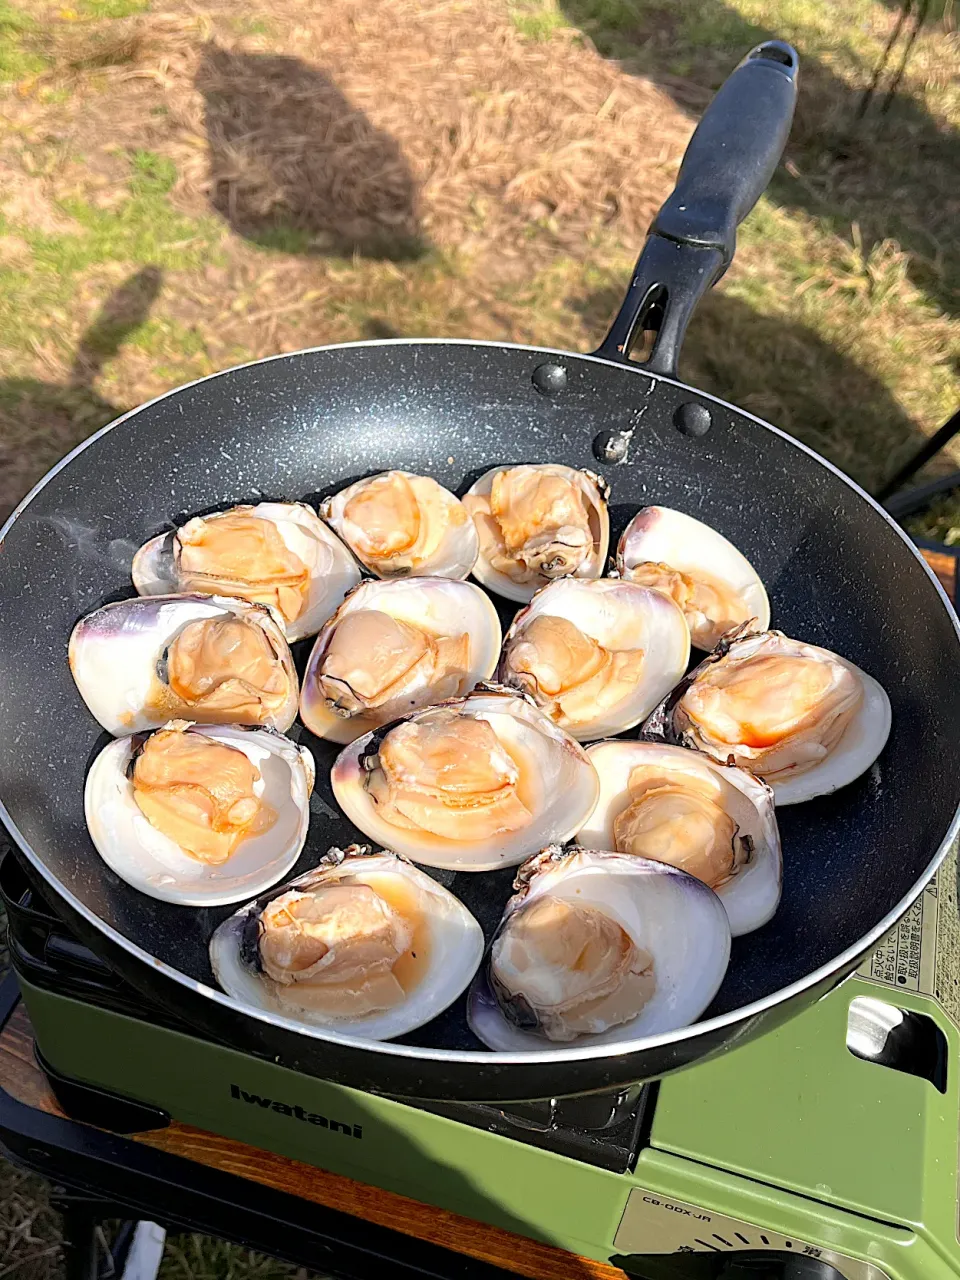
<point>488,183</point>
<point>29,1228</point>
<point>461,142</point>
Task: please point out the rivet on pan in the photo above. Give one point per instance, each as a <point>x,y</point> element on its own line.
<point>549,379</point>
<point>611,446</point>
<point>692,419</point>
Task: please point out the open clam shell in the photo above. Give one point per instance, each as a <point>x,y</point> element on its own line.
<point>514,781</point>
<point>596,655</point>
<point>305,592</point>
<point>751,894</point>
<point>152,862</point>
<point>677,924</point>
<point>121,657</point>
<point>713,582</point>
<point>392,676</point>
<point>399,524</point>
<point>551,522</point>
<point>804,719</point>
<point>438,952</point>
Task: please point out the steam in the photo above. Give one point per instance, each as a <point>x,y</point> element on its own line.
<point>87,558</point>
<point>115,553</point>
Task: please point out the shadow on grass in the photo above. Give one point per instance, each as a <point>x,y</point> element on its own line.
<point>785,373</point>
<point>294,166</point>
<point>41,421</point>
<point>894,172</point>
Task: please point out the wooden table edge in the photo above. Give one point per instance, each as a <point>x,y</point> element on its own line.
<point>22,1079</point>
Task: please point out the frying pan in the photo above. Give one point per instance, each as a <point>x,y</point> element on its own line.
<point>838,571</point>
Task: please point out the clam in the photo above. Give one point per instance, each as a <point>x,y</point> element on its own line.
<point>713,583</point>
<point>279,554</point>
<point>365,943</point>
<point>596,655</point>
<point>538,523</point>
<point>714,821</point>
<point>200,816</point>
<point>397,524</point>
<point>805,720</point>
<point>599,947</point>
<point>214,660</point>
<point>393,647</point>
<point>473,784</point>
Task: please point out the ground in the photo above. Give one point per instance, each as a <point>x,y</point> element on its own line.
<point>185,186</point>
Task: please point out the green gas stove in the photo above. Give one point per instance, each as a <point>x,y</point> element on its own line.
<point>825,1149</point>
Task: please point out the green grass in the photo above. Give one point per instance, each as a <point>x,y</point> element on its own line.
<point>153,175</point>
<point>250,25</point>
<point>940,522</point>
<point>19,56</point>
<point>281,239</point>
<point>99,9</point>
<point>145,229</point>
<point>537,19</point>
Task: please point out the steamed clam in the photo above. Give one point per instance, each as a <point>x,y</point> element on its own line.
<point>713,583</point>
<point>200,815</point>
<point>536,523</point>
<point>214,660</point>
<point>365,943</point>
<point>279,554</point>
<point>596,655</point>
<point>798,716</point>
<point>397,524</point>
<point>714,821</point>
<point>473,784</point>
<point>599,946</point>
<point>393,647</point>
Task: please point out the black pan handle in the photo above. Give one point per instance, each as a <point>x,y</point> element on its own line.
<point>730,159</point>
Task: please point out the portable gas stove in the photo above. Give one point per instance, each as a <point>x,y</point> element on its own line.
<point>826,1149</point>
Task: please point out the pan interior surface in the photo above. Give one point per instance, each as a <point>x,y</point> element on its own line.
<point>302,426</point>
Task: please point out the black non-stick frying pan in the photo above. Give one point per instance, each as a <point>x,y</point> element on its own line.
<point>838,572</point>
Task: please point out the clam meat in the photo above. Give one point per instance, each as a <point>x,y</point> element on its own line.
<point>805,720</point>
<point>200,816</point>
<point>393,647</point>
<point>714,821</point>
<point>279,554</point>
<point>211,659</point>
<point>365,944</point>
<point>538,523</point>
<point>596,655</point>
<point>397,524</point>
<point>713,583</point>
<point>599,947</point>
<point>473,784</point>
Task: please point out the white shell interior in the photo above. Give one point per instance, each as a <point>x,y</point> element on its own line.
<point>618,616</point>
<point>592,566</point>
<point>151,862</point>
<point>863,739</point>
<point>115,650</point>
<point>453,558</point>
<point>454,939</point>
<point>665,536</point>
<point>862,742</point>
<point>558,783</point>
<point>678,920</point>
<point>333,570</point>
<point>439,606</point>
<point>751,897</point>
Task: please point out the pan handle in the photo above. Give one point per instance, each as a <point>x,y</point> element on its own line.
<point>730,159</point>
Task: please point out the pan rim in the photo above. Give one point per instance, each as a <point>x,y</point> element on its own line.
<point>467,1057</point>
